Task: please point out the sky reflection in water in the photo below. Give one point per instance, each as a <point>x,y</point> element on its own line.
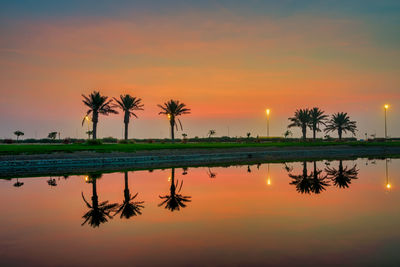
<point>303,213</point>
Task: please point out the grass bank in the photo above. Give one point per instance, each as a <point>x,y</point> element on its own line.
<point>15,149</point>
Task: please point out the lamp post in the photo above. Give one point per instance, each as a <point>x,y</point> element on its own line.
<point>88,129</point>
<point>386,108</point>
<point>267,111</point>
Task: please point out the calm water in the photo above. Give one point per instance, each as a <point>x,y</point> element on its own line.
<point>309,214</point>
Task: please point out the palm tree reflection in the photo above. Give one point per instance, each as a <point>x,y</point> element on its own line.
<point>129,208</point>
<point>302,181</point>
<point>98,212</point>
<point>174,201</point>
<point>342,176</point>
<point>306,183</point>
<point>18,184</point>
<point>318,181</point>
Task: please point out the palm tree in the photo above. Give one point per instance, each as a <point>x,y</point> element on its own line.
<point>317,117</point>
<point>97,104</point>
<point>129,208</point>
<point>52,135</point>
<point>174,201</point>
<point>128,104</point>
<point>211,133</point>
<point>174,109</point>
<point>342,177</point>
<point>98,212</point>
<point>318,181</point>
<point>18,134</point>
<point>301,119</point>
<point>302,181</point>
<point>341,122</point>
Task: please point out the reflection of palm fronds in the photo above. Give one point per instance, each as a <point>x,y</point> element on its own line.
<point>318,181</point>
<point>174,201</point>
<point>287,167</point>
<point>342,177</point>
<point>303,183</point>
<point>98,212</point>
<point>52,182</point>
<point>129,208</point>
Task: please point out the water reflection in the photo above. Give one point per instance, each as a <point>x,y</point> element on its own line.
<point>129,208</point>
<point>210,173</point>
<point>18,183</point>
<point>342,176</point>
<point>98,212</point>
<point>174,201</point>
<point>302,181</point>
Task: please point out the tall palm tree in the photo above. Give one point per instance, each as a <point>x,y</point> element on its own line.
<point>301,119</point>
<point>302,181</point>
<point>318,181</point>
<point>342,176</point>
<point>317,117</point>
<point>129,208</point>
<point>341,122</point>
<point>173,109</point>
<point>98,104</point>
<point>174,201</point>
<point>98,212</point>
<point>128,104</point>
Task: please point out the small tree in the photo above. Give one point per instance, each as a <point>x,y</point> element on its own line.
<point>248,135</point>
<point>287,133</point>
<point>211,133</point>
<point>341,123</point>
<point>89,133</point>
<point>18,134</point>
<point>184,135</point>
<point>52,135</point>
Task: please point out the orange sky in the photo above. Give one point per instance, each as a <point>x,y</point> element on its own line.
<point>226,66</point>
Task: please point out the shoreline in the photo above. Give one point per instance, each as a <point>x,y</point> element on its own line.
<point>83,162</point>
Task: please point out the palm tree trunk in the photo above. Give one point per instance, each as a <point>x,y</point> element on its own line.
<point>172,131</point>
<point>340,134</point>
<point>314,133</point>
<point>126,131</point>
<point>126,190</point>
<point>305,169</point>
<point>94,189</point>
<point>304,130</point>
<point>94,134</point>
<point>173,188</point>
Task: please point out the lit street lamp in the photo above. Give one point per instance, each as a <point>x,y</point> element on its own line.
<point>388,185</point>
<point>267,111</point>
<point>386,108</point>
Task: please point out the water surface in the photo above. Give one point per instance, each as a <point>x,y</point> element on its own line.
<point>304,213</point>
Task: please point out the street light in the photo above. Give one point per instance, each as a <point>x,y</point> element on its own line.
<point>267,111</point>
<point>268,177</point>
<point>388,185</point>
<point>386,106</point>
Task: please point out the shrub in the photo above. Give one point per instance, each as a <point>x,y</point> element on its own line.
<point>110,140</point>
<point>95,142</point>
<point>8,141</point>
<point>66,141</point>
<point>126,141</point>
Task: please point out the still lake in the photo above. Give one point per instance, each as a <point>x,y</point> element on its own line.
<point>298,214</point>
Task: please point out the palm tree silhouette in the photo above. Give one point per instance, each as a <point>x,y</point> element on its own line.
<point>301,119</point>
<point>318,181</point>
<point>211,174</point>
<point>129,208</point>
<point>302,181</point>
<point>18,184</point>
<point>174,201</point>
<point>317,117</point>
<point>128,104</point>
<point>341,122</point>
<point>342,176</point>
<point>173,109</point>
<point>52,182</point>
<point>97,104</point>
<point>98,212</point>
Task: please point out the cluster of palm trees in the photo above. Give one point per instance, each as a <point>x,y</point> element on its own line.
<point>101,105</point>
<point>314,118</point>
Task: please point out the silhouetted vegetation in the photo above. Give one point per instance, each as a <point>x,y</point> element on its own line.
<point>128,104</point>
<point>342,176</point>
<point>317,118</point>
<point>97,104</point>
<point>301,119</point>
<point>173,109</point>
<point>18,134</point>
<point>341,123</point>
